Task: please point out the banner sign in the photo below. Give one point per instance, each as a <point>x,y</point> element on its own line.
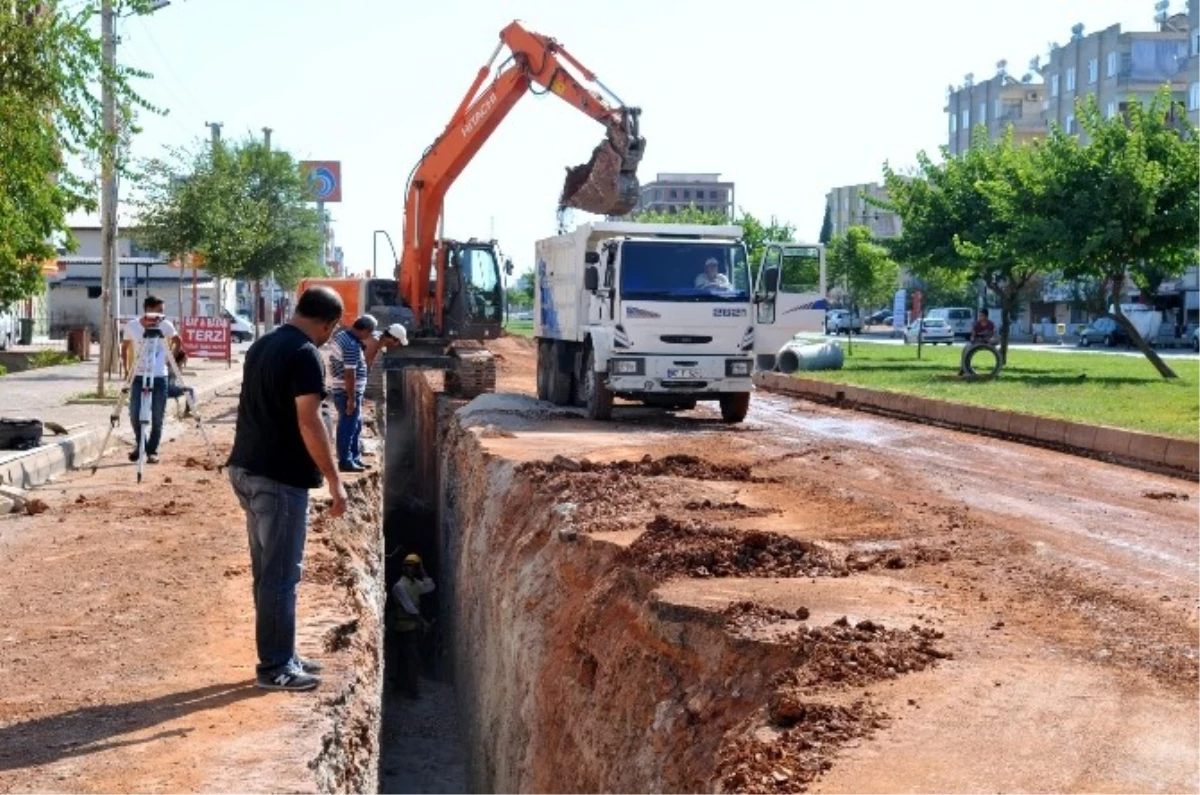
<point>206,337</point>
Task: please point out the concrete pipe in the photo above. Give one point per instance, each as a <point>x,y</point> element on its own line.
<point>809,356</point>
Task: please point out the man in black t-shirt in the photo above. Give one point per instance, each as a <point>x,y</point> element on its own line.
<point>280,451</point>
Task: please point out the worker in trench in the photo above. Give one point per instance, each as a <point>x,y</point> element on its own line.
<point>410,625</point>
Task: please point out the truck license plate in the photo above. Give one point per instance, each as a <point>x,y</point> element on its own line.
<point>683,373</point>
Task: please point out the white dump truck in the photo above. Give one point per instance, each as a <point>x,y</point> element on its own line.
<point>656,313</point>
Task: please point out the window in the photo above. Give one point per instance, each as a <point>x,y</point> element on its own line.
<point>966,122</point>
<point>1111,110</point>
<point>1071,78</point>
<point>1195,42</point>
<point>687,194</point>
<point>1054,85</point>
<point>1112,65</point>
<point>1071,125</point>
<point>996,110</point>
<point>1093,70</point>
<point>982,113</point>
<point>674,194</point>
<point>1194,97</point>
<point>953,123</point>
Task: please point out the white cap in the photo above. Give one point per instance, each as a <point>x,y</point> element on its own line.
<point>398,331</point>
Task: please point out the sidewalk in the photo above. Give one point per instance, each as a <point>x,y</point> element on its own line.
<point>44,393</point>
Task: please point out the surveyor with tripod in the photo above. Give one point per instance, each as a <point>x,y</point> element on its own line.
<point>156,369</point>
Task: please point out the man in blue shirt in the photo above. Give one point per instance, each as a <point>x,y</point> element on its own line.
<point>352,351</point>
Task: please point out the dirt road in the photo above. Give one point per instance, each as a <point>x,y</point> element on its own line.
<point>127,641</point>
<point>1067,589</point>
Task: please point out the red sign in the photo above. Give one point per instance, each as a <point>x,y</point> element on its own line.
<point>206,337</point>
<point>916,301</point>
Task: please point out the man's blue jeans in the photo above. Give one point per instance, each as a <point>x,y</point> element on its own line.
<point>277,526</point>
<point>349,429</point>
<point>158,409</point>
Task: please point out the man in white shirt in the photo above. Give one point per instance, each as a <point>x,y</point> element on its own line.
<point>711,277</point>
<point>156,369</point>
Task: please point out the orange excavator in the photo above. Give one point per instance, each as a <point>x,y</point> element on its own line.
<point>450,293</point>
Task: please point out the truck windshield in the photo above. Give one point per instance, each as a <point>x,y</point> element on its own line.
<point>684,271</point>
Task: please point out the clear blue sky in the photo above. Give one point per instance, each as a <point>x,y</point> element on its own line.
<point>786,98</point>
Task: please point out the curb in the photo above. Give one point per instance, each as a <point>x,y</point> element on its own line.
<point>35,467</point>
<point>1164,454</point>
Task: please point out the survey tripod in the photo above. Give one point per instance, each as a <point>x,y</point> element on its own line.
<point>152,346</point>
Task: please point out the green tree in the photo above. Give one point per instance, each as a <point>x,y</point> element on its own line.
<point>1129,200</point>
<point>861,267</point>
<point>984,216</point>
<point>244,208</point>
<point>51,73</point>
<point>826,226</point>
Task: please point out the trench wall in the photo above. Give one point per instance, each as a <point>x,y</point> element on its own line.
<point>570,674</point>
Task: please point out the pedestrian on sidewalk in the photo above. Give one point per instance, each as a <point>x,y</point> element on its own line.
<point>352,352</point>
<point>281,450</point>
<point>156,370</point>
<point>411,626</point>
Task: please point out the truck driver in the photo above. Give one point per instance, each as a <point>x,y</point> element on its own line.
<point>711,277</point>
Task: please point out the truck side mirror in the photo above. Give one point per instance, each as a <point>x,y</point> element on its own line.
<point>770,280</point>
<point>592,258</point>
<point>591,278</point>
<point>508,267</point>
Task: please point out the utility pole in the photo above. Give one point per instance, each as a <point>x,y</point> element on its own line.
<point>269,309</point>
<point>215,128</point>
<point>108,200</point>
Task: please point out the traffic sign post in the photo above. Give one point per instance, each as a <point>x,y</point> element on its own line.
<point>323,180</point>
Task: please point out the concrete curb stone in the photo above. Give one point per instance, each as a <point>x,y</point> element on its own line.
<point>1145,450</point>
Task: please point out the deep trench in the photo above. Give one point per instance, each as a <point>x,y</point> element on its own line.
<point>421,747</point>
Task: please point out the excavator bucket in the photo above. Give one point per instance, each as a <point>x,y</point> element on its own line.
<point>607,184</point>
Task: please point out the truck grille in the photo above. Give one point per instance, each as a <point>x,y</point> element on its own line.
<point>685,339</point>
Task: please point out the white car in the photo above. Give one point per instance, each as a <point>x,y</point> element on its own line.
<point>936,330</point>
<point>240,327</point>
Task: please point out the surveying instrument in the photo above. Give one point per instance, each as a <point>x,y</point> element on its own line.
<point>152,346</point>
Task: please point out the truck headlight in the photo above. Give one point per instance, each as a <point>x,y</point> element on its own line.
<point>627,366</point>
<point>737,368</point>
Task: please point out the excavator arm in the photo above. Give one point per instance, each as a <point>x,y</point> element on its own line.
<point>606,184</point>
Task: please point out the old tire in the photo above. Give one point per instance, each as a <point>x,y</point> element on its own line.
<point>558,383</point>
<point>734,406</point>
<point>597,400</point>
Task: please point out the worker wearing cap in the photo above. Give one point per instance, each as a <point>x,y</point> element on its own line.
<point>410,624</point>
<point>351,352</point>
<point>711,276</point>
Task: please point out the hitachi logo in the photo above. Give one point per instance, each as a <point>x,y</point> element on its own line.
<point>479,115</point>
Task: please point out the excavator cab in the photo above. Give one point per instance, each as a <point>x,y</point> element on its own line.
<point>473,307</point>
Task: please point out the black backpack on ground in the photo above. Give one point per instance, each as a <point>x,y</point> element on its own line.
<point>20,434</point>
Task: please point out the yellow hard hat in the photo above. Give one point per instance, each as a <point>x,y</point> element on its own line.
<point>413,559</point>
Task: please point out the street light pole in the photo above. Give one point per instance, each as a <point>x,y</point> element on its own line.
<point>395,258</point>
<point>108,197</point>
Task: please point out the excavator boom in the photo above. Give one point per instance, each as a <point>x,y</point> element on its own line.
<point>607,184</point>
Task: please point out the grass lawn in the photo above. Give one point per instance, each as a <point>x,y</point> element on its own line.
<point>520,328</point>
<point>1119,391</point>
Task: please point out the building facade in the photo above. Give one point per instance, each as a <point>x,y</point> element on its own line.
<point>1113,66</point>
<point>1193,64</point>
<point>995,104</point>
<point>849,207</point>
<point>672,192</point>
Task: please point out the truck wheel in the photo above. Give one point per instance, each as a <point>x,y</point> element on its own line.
<point>543,363</point>
<point>594,388</point>
<point>558,383</point>
<point>734,406</point>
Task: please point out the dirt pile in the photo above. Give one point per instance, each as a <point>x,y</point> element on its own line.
<point>677,466</point>
<point>672,548</point>
<point>896,559</point>
<point>845,655</point>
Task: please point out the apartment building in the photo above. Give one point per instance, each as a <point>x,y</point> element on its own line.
<point>1113,66</point>
<point>996,104</point>
<point>671,192</point>
<point>1193,64</point>
<point>849,207</point>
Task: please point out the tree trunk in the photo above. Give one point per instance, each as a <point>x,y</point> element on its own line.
<point>1142,345</point>
<point>258,307</point>
<point>1007,300</point>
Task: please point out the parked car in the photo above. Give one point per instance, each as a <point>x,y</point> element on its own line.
<point>240,327</point>
<point>9,330</point>
<point>1104,331</point>
<point>839,321</point>
<point>881,318</point>
<point>936,330</point>
<point>960,319</point>
<point>1196,339</point>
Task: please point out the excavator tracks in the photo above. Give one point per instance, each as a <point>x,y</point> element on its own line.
<point>474,375</point>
